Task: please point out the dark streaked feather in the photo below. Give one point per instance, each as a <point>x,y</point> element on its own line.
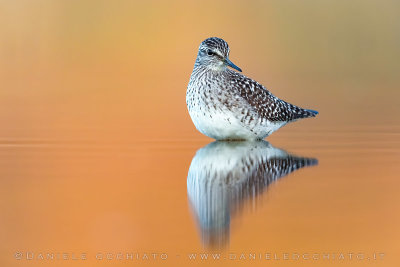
<point>266,104</point>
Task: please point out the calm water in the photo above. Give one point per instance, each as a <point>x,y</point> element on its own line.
<point>98,155</point>
<point>334,192</point>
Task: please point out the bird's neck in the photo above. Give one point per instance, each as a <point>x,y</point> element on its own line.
<point>210,69</point>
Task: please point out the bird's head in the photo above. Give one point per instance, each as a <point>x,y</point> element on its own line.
<point>214,54</point>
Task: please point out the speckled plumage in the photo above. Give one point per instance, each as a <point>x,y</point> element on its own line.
<point>225,104</point>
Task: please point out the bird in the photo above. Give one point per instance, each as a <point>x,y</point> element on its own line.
<point>224,176</point>
<point>226,105</point>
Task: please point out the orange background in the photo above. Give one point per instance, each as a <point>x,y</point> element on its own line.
<point>95,139</point>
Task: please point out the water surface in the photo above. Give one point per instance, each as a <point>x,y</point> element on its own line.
<point>156,196</point>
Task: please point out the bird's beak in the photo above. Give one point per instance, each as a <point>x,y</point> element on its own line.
<point>230,64</point>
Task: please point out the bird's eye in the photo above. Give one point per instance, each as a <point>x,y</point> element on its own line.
<point>209,52</point>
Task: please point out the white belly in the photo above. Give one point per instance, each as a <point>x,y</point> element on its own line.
<point>225,125</point>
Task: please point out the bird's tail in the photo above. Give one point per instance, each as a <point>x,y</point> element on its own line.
<point>313,112</point>
<point>301,113</point>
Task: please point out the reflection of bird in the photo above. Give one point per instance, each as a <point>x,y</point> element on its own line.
<point>226,105</point>
<point>223,174</point>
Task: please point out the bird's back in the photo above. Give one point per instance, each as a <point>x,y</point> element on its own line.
<point>265,104</point>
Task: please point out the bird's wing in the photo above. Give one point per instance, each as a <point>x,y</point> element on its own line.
<point>266,104</point>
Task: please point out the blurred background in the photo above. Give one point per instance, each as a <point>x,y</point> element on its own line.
<point>84,69</point>
<point>96,141</point>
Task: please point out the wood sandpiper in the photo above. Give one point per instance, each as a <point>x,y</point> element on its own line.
<point>226,105</point>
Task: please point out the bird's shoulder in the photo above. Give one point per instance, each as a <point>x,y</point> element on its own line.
<point>246,85</point>
<point>260,99</point>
